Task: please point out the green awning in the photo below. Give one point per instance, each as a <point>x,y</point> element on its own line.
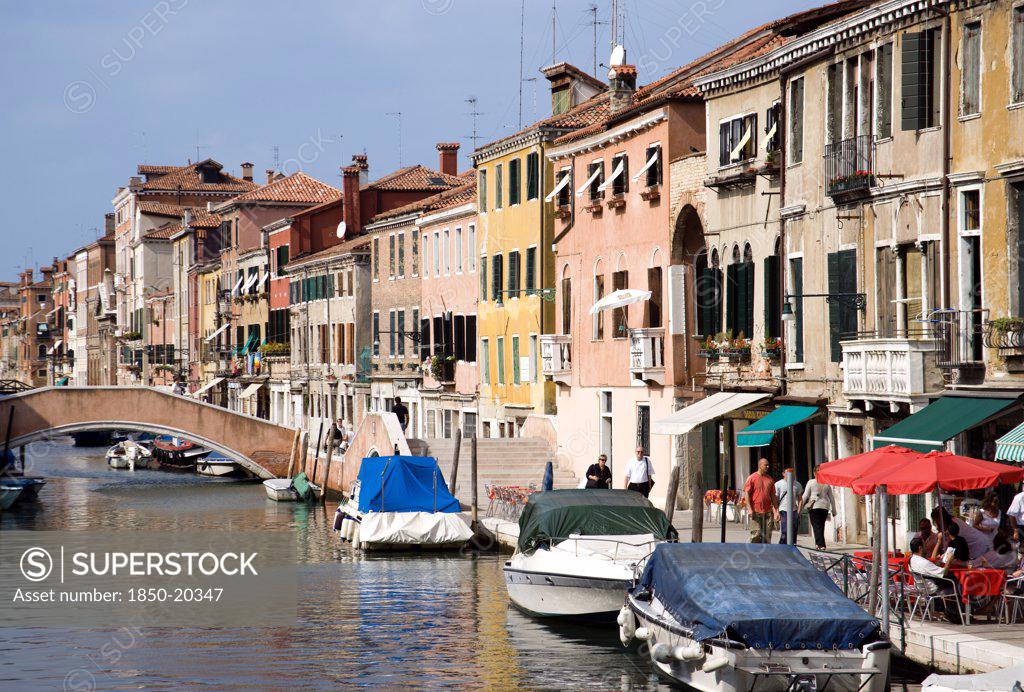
<point>930,428</point>
<point>760,434</point>
<point>1010,447</point>
<point>62,382</point>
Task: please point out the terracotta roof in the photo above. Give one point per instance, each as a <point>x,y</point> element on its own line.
<point>160,209</point>
<point>200,219</point>
<point>342,248</point>
<point>190,179</point>
<point>455,197</point>
<point>416,179</point>
<point>148,169</point>
<point>593,110</point>
<point>297,188</point>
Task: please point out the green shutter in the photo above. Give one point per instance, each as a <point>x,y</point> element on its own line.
<point>709,455</point>
<point>706,301</point>
<point>916,98</point>
<point>772,298</point>
<point>747,272</point>
<point>834,309</point>
<point>731,299</point>
<point>797,267</point>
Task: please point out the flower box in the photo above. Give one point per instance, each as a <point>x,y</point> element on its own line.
<point>651,194</point>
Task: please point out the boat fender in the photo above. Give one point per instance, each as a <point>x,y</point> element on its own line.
<point>715,663</point>
<point>661,652</point>
<point>626,615</point>
<point>690,652</point>
<point>625,636</point>
<point>643,633</point>
<point>339,520</point>
<point>343,530</point>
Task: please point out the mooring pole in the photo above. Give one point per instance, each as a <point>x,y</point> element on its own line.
<point>294,451</point>
<point>452,480</point>
<point>670,497</point>
<point>474,505</point>
<point>697,509</point>
<point>883,560</point>
<point>7,436</point>
<point>790,534</point>
<point>330,458</point>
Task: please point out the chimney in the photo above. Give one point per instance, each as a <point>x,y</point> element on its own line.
<point>449,157</point>
<point>270,175</point>
<point>186,220</point>
<point>108,223</point>
<point>360,162</point>
<point>621,87</point>
<point>247,171</point>
<point>350,200</point>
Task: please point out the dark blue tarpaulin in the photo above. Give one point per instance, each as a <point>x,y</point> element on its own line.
<point>403,484</point>
<point>766,596</point>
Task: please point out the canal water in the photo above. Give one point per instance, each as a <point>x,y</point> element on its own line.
<point>362,621</point>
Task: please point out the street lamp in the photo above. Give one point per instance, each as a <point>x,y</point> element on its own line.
<point>856,301</point>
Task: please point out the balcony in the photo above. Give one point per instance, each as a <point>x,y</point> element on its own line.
<point>848,168</point>
<point>891,370</point>
<point>647,356</point>
<point>556,357</point>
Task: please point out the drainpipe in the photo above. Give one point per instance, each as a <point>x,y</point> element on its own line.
<point>946,152</point>
<point>783,261</point>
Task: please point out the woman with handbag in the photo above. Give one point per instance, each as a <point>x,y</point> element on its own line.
<point>819,502</point>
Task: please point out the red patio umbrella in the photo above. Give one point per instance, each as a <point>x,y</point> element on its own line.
<point>845,472</point>
<point>937,470</point>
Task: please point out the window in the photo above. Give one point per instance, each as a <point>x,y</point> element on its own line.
<point>497,276</point>
<point>531,270</point>
<point>709,296</point>
<point>598,329</point>
<point>971,203</point>
<point>796,273</point>
<point>513,274</point>
<point>920,83</point>
<point>471,248</point>
<point>376,259</point>
<point>400,336</point>
<point>483,279</point>
<point>280,260</point>
<point>534,351</point>
<point>737,140</point>
<point>391,256</point>
<point>643,428</point>
<point>437,253</point>
<point>596,171</point>
<point>376,333</point>
<point>834,100</point>
<point>471,338</point>
<point>653,305</point>
<point>883,85</point>
<point>425,339</point>
<point>391,334</point>
<point>653,173</point>
<point>485,361</point>
<point>620,281</point>
<point>566,305</point>
<point>446,252</point>
<point>501,360</point>
<point>620,185</point>
<point>516,374</point>
<point>401,255</point>
<point>458,250</point>
<point>426,246</point>
<point>415,253</point>
<point>482,192</point>
<point>772,297</point>
<point>970,76</point>
<point>842,318</point>
<point>796,120</point>
<point>532,176</point>
<point>514,181</point>
<point>497,186</point>
<point>739,315</point>
<point>771,128</point>
<point>1017,69</point>
<point>564,198</point>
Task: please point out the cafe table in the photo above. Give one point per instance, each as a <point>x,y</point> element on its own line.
<point>980,583</point>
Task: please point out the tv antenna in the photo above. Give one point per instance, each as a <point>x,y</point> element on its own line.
<point>276,151</point>
<point>398,116</point>
<point>554,32</point>
<point>198,147</point>
<point>596,23</point>
<point>522,41</point>
<point>472,101</point>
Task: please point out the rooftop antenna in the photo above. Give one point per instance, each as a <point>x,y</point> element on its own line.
<point>534,81</point>
<point>472,101</point>
<point>522,40</point>
<point>398,117</point>
<point>198,146</point>
<point>596,23</point>
<point>554,23</point>
<point>276,150</point>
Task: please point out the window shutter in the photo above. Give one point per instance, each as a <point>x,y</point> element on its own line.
<point>483,279</point>
<point>531,268</point>
<point>706,291</point>
<point>747,271</point>
<point>1018,54</point>
<point>772,298</point>
<point>797,270</point>
<point>496,279</point>
<point>723,144</point>
<point>835,318</point>
<point>424,338</point>
<point>731,298</point>
<point>677,299</point>
<point>848,284</point>
<point>471,338</point>
<point>916,84</point>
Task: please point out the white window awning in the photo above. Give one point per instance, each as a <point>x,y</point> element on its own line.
<point>582,188</point>
<point>769,135</point>
<point>250,390</point>
<point>241,278</point>
<point>714,406</point>
<point>616,172</point>
<point>566,179</point>
<point>217,333</point>
<point>650,162</point>
<point>735,154</point>
<point>263,282</point>
<point>206,387</point>
<point>56,345</point>
<point>250,281</point>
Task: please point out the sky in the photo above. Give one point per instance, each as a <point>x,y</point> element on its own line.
<point>90,90</point>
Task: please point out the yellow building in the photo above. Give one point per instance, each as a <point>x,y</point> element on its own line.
<point>514,240</point>
<point>212,333</point>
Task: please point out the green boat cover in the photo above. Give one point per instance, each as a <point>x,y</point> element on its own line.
<point>561,513</point>
<point>301,485</point>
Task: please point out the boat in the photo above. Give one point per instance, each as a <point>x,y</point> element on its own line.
<point>129,455</point>
<point>9,493</point>
<point>217,466</point>
<point>290,489</point>
<point>30,486</point>
<point>578,551</point>
<point>995,681</point>
<point>401,503</point>
<point>175,454</point>
<point>740,616</point>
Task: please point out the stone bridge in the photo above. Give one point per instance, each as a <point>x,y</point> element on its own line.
<point>263,448</point>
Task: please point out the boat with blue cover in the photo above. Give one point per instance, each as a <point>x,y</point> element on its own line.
<point>742,617</point>
<point>402,502</point>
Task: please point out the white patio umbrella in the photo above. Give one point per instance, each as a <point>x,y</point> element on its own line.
<point>620,299</point>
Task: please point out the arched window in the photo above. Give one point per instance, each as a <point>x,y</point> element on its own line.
<point>598,325</point>
<point>739,319</point>
<point>566,300</point>
<point>709,296</point>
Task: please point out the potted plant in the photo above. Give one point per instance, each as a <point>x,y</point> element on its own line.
<point>772,348</point>
<point>709,348</point>
<point>739,348</point>
<point>132,336</point>
<point>1006,332</point>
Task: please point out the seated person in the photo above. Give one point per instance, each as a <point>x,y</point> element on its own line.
<point>957,544</point>
<point>921,566</point>
<point>978,542</point>
<point>927,535</point>
<point>1002,556</point>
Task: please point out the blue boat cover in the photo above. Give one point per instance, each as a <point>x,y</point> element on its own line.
<point>766,596</point>
<point>403,484</point>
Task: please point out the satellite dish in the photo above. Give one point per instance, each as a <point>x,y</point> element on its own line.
<point>618,56</point>
<point>341,229</point>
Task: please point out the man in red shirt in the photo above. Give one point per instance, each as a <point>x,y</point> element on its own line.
<point>762,503</point>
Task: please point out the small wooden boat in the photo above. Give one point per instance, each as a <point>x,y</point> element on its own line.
<point>217,466</point>
<point>129,455</point>
<point>30,486</point>
<point>281,490</point>
<point>178,455</point>
<point>8,494</point>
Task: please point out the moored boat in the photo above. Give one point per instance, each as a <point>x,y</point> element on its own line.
<point>579,550</point>
<point>175,454</point>
<point>217,466</point>
<point>30,486</point>
<point>129,455</point>
<point>290,489</point>
<point>735,616</point>
<point>402,503</point>
<point>92,438</point>
<point>9,493</point>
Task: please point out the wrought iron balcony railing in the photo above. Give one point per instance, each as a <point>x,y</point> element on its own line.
<point>849,166</point>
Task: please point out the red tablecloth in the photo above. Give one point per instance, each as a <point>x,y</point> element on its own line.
<point>980,582</point>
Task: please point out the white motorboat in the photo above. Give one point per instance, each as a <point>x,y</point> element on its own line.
<point>995,681</point>
<point>579,551</point>
<point>281,490</point>
<point>401,503</point>
<point>129,455</point>
<point>217,466</point>
<point>740,617</point>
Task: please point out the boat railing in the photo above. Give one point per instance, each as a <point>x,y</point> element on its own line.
<point>613,541</point>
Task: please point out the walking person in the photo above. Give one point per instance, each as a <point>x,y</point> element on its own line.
<point>819,501</point>
<point>599,475</point>
<point>782,492</point>
<point>640,473</point>
<point>401,412</point>
<point>759,493</point>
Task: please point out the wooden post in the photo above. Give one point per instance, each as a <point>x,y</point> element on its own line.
<point>294,451</point>
<point>474,507</point>
<point>330,458</point>
<point>455,461</point>
<point>7,436</point>
<point>21,454</point>
<point>726,464</point>
<point>303,450</point>
<point>316,450</point>
<point>670,497</point>
<point>697,507</point>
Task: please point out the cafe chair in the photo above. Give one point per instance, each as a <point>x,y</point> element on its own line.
<point>923,600</point>
<point>1013,595</point>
